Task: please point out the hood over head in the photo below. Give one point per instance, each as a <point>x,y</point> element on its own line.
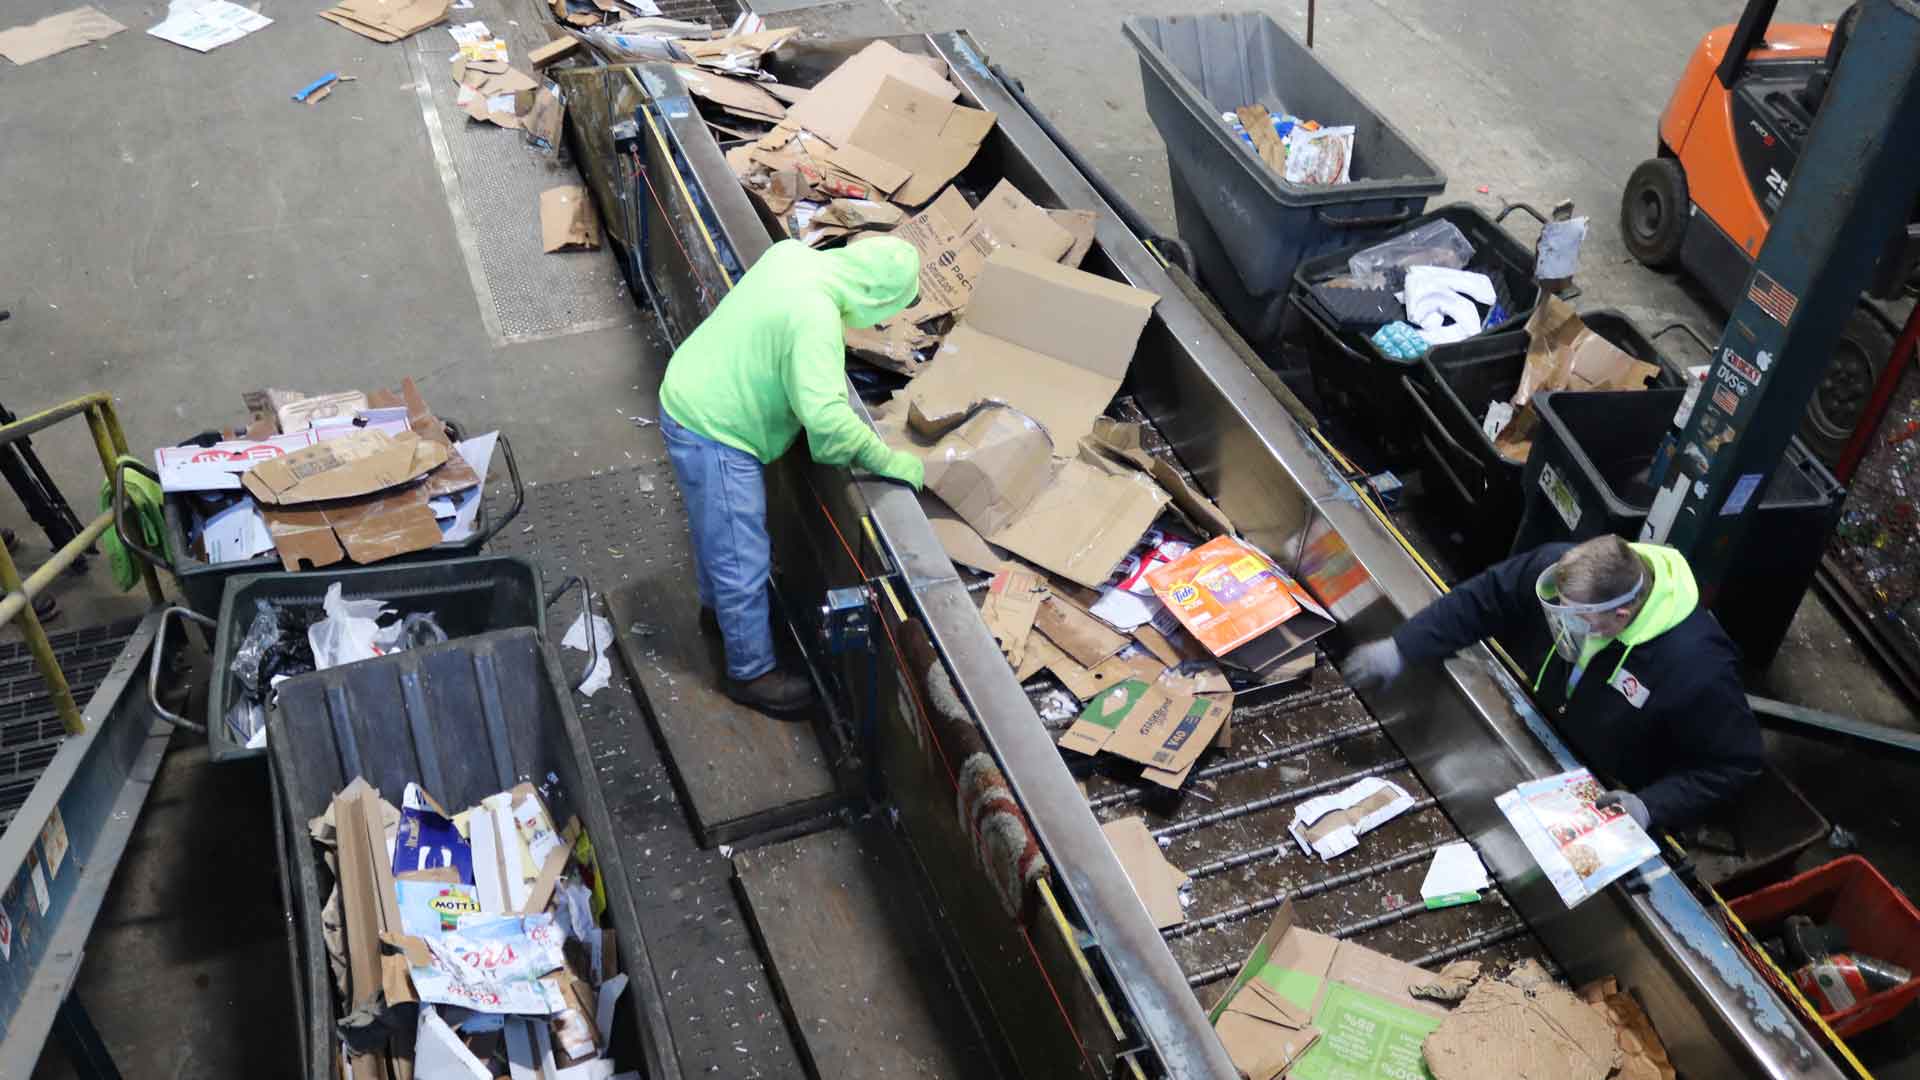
<point>871,281</point>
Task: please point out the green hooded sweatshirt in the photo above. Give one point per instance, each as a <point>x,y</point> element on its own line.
<point>1672,598</point>
<point>771,359</point>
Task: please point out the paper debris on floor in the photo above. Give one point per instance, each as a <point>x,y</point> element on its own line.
<point>1155,880</point>
<point>386,20</point>
<point>1331,825</point>
<point>56,34</point>
<point>204,25</point>
<point>567,220</point>
<point>1455,876</point>
<point>597,640</point>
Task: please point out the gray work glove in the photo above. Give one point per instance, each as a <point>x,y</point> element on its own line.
<point>1628,801</point>
<point>1373,665</point>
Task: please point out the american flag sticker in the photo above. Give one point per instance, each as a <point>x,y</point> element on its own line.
<point>1772,297</point>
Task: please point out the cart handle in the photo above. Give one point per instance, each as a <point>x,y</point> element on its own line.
<point>1687,330</point>
<point>1374,222</point>
<point>153,668</point>
<point>130,537</point>
<point>1434,425</point>
<point>519,493</point>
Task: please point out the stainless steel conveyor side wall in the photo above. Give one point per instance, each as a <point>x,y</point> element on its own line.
<point>1468,729</point>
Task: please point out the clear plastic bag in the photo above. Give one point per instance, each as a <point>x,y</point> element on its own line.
<point>1384,265</point>
<point>351,631</point>
<point>261,637</point>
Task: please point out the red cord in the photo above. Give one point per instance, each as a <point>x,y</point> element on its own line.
<point>926,725</point>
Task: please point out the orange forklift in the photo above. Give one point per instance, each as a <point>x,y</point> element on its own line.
<point>1729,140</point>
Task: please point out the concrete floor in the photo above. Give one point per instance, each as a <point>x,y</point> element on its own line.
<point>178,232</point>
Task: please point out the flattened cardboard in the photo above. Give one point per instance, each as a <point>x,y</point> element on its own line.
<point>923,132</point>
<point>1051,342</point>
<point>1155,881</point>
<point>1177,778</point>
<point>837,102</point>
<point>218,467</point>
<point>1126,442</point>
<point>1081,636</point>
<point>567,220</point>
<point>736,52</point>
<point>387,20</point>
<point>1084,522</point>
<point>895,346</point>
<point>738,95</point>
<point>859,214</point>
<point>56,34</point>
<point>1015,219</point>
<point>1564,354</point>
<point>557,49</point>
<point>1167,732</point>
<point>953,246</point>
<point>357,464</point>
<point>1643,1056</point>
<point>963,544</point>
<point>1502,1030</point>
<point>1013,599</point>
<point>1080,224</point>
<point>879,175</point>
<point>1084,683</point>
<point>365,530</point>
<point>1097,723</point>
<point>457,474</point>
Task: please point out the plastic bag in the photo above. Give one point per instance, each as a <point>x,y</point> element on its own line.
<point>1320,156</point>
<point>1384,265</point>
<point>351,631</point>
<point>261,636</point>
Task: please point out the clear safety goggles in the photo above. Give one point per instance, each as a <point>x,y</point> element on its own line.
<point>1572,624</point>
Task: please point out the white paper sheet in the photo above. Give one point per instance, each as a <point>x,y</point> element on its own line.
<point>576,638</point>
<point>204,25</point>
<point>1347,837</point>
<point>466,504</point>
<point>237,533</point>
<point>1456,869</point>
<point>438,1053</point>
<point>472,33</point>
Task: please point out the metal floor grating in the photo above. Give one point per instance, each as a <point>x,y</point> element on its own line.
<point>720,1001</point>
<point>494,180</point>
<point>30,730</point>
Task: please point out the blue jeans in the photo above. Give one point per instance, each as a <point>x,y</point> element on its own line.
<point>725,493</point>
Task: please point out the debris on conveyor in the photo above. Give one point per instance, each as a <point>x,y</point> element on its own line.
<point>477,943</point>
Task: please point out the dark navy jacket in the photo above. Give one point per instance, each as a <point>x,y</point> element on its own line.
<point>1687,746</point>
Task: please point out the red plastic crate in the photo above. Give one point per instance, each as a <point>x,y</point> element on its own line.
<point>1879,920</point>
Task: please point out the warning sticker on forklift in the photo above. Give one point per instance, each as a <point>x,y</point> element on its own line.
<point>1741,494</point>
<point>1772,297</point>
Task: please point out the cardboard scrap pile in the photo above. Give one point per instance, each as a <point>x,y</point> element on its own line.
<point>348,476</point>
<point>493,91</point>
<point>466,945</point>
<point>1308,1005</point>
<point>1563,353</point>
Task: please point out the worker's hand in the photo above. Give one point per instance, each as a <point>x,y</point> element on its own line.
<point>1373,665</point>
<point>1628,801</point>
<point>905,468</point>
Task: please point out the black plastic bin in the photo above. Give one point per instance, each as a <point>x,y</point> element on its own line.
<point>1587,476</point>
<point>1355,380</point>
<point>465,596</point>
<point>1247,226</point>
<point>464,719</point>
<point>201,582</point>
<point>1458,462</point>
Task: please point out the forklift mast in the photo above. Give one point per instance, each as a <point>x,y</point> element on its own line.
<point>1854,186</point>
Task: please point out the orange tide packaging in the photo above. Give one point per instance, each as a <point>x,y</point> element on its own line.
<point>1228,595</point>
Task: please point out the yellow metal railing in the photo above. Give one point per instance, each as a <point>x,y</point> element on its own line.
<point>16,595</point>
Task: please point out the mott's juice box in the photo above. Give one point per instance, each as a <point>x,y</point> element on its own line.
<point>1226,593</point>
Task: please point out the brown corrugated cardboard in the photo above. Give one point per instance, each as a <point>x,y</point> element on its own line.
<point>1502,1030</point>
<point>387,20</point>
<point>365,530</point>
<point>1080,224</point>
<point>1014,598</point>
<point>1564,354</point>
<point>1081,636</point>
<point>343,468</point>
<point>1086,682</point>
<point>995,468</point>
<point>923,132</point>
<point>567,220</point>
<point>733,52</point>
<point>953,246</point>
<point>1052,342</point>
<point>837,102</point>
<point>857,172</point>
<point>457,474</point>
<point>556,49</point>
<point>1643,1056</point>
<point>895,346</point>
<point>1015,219</point>
<point>1156,881</point>
<point>737,95</point>
<point>1139,722</point>
<point>56,34</point>
<point>1126,441</point>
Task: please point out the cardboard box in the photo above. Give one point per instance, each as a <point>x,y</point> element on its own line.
<point>1155,881</point>
<point>1013,600</point>
<point>838,102</point>
<point>218,467</point>
<point>923,132</point>
<point>365,530</point>
<point>352,465</point>
<point>1015,219</point>
<point>1126,442</point>
<point>1238,604</point>
<point>1141,722</point>
<point>1564,354</point>
<point>953,246</point>
<point>1305,1004</point>
<point>995,468</point>
<point>1052,342</point>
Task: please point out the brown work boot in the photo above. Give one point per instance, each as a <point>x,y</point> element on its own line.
<point>776,693</point>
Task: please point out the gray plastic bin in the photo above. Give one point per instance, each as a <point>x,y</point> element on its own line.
<point>1248,228</point>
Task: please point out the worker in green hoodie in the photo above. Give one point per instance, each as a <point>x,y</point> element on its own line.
<point>1638,677</point>
<point>768,362</point>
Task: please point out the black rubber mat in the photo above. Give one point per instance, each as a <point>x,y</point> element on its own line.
<point>726,1021</point>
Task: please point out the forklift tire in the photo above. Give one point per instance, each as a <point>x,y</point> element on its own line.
<point>1653,212</point>
<point>1861,354</point>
